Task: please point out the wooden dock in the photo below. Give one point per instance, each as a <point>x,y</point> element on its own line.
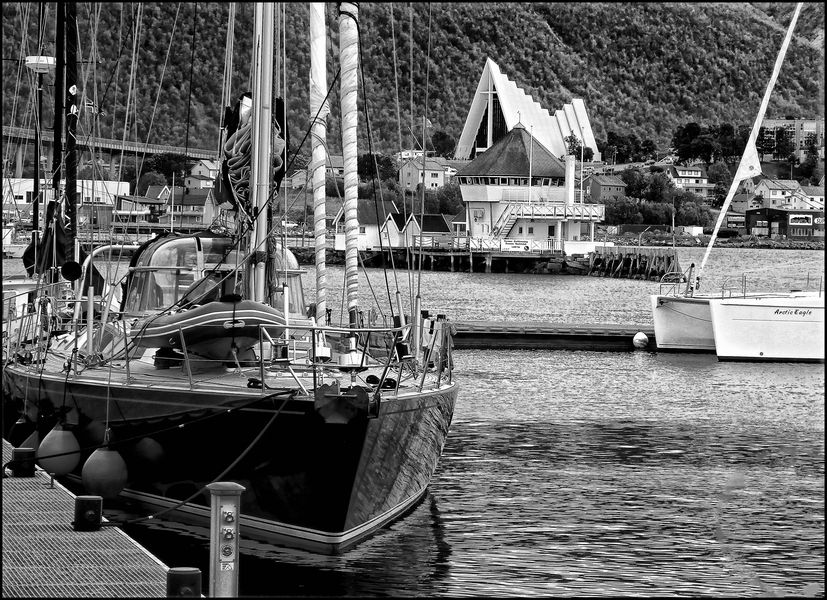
<point>43,556</point>
<point>557,336</point>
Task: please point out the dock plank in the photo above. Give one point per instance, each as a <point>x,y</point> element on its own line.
<point>43,556</point>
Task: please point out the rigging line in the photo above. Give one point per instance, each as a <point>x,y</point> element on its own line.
<point>408,251</point>
<point>211,412</point>
<point>316,116</point>
<point>424,151</point>
<point>396,80</point>
<point>225,471</point>
<point>283,184</point>
<point>192,70</point>
<point>24,26</point>
<point>131,84</point>
<point>226,88</point>
<point>114,72</point>
<point>160,84</point>
<point>376,169</point>
<point>372,291</point>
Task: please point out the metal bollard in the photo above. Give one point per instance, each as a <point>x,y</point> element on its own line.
<point>23,460</point>
<point>88,513</point>
<point>224,516</point>
<point>184,582</point>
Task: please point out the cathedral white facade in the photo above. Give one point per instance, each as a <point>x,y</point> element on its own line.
<point>498,106</point>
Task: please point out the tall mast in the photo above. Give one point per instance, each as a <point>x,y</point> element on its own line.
<point>750,166</point>
<point>262,117</point>
<point>71,125</point>
<point>59,95</point>
<point>318,111</point>
<point>349,63</point>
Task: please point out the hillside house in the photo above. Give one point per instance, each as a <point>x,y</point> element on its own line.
<point>431,230</point>
<point>138,209</point>
<point>371,216</point>
<point>435,174</point>
<point>776,193</point>
<point>815,196</point>
<point>747,186</point>
<point>157,191</point>
<point>602,187</point>
<point>520,193</point>
<point>205,168</point>
<point>691,178</point>
<point>190,208</point>
<point>335,167</point>
<point>743,202</point>
<point>199,182</point>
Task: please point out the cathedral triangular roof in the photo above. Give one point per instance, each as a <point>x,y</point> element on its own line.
<point>518,107</point>
<point>509,157</point>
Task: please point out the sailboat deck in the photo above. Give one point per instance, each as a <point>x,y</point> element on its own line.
<point>205,376</point>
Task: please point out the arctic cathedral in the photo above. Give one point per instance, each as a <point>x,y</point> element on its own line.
<point>498,106</point>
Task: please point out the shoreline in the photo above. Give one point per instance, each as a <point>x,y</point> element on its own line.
<point>703,240</point>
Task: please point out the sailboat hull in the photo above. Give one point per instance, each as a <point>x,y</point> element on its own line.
<point>322,486</point>
<point>682,323</point>
<point>781,328</point>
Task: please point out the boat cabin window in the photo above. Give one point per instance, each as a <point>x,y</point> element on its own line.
<point>295,296</point>
<point>162,275</point>
<point>219,253</point>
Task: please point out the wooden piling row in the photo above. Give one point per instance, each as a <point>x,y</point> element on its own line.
<point>633,262</point>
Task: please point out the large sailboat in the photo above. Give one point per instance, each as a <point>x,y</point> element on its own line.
<point>682,317</point>
<point>213,368</point>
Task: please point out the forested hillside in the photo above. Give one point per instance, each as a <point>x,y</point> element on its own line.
<point>645,68</point>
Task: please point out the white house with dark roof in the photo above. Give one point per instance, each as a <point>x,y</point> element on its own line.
<point>199,182</point>
<point>499,105</point>
<point>815,196</point>
<point>519,194</point>
<point>776,193</point>
<point>372,217</point>
<point>691,178</point>
<point>413,230</point>
<point>190,208</point>
<point>205,168</point>
<point>435,173</point>
<point>157,191</point>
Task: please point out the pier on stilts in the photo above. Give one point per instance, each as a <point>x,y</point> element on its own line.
<point>633,262</point>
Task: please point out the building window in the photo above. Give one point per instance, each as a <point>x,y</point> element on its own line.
<point>434,175</point>
<point>361,229</point>
<point>530,231</point>
<point>520,230</point>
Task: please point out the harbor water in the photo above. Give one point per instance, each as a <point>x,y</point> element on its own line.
<point>588,473</point>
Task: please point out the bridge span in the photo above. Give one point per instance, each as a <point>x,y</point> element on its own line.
<point>23,137</point>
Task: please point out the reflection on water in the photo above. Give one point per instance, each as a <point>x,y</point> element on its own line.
<point>599,474</point>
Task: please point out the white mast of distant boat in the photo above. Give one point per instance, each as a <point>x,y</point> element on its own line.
<point>750,165</point>
<point>349,62</point>
<point>318,109</point>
